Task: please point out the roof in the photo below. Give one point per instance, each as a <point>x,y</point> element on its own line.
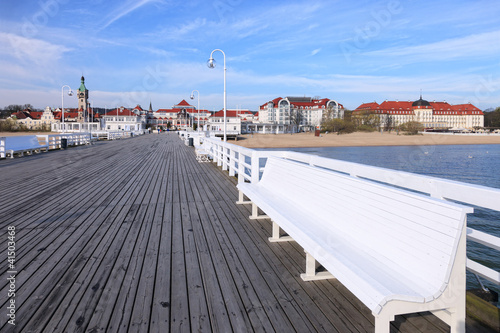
<point>36,114</point>
<point>121,112</point>
<point>408,106</point>
<point>22,114</point>
<point>183,104</point>
<point>297,102</point>
<point>229,113</point>
<point>421,103</point>
<point>67,114</point>
<point>82,85</point>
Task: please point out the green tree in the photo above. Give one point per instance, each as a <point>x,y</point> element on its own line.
<point>411,127</point>
<point>347,115</point>
<point>340,126</point>
<point>366,121</point>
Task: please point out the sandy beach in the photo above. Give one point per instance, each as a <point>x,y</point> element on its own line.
<point>359,139</point>
<point>23,133</point>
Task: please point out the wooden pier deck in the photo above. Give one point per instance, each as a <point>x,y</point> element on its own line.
<point>136,236</point>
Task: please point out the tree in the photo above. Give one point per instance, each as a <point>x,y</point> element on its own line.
<point>296,118</point>
<point>492,118</point>
<point>411,127</point>
<point>340,126</point>
<point>366,121</point>
<point>388,123</point>
<point>347,115</point>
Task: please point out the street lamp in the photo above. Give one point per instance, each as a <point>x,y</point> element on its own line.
<point>70,93</point>
<point>192,97</point>
<point>211,64</point>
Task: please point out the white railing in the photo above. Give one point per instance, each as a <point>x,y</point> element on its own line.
<point>2,146</point>
<point>54,141</point>
<point>248,165</point>
<point>73,139</point>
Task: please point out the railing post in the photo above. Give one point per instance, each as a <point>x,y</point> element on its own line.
<point>232,162</point>
<point>2,146</point>
<point>255,172</point>
<point>217,154</point>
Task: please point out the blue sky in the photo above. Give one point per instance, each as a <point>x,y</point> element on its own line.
<point>134,52</point>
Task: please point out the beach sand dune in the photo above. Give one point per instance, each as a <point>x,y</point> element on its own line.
<point>359,139</point>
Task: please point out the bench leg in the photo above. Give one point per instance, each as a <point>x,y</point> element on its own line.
<point>241,199</point>
<point>311,274</point>
<point>255,213</point>
<point>276,235</point>
<point>383,324</point>
<point>453,317</point>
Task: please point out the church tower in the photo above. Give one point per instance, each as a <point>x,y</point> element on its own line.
<point>83,96</point>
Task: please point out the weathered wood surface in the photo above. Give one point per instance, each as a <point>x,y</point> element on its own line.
<point>135,235</point>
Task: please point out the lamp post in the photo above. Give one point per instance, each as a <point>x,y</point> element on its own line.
<point>70,93</point>
<point>192,97</point>
<point>211,64</point>
<point>90,125</point>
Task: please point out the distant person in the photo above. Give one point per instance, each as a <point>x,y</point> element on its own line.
<point>158,131</point>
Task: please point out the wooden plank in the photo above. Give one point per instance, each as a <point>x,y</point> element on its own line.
<point>141,314</point>
<point>91,249</point>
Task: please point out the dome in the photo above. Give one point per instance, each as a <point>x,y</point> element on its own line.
<point>421,102</point>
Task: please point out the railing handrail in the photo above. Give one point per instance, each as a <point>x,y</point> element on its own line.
<point>233,158</point>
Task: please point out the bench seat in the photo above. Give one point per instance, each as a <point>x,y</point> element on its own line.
<point>384,244</point>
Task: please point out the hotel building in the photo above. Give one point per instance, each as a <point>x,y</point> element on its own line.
<point>432,115</point>
<point>299,113</point>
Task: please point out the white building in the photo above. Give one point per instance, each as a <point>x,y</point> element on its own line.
<point>233,121</point>
<point>299,113</point>
<point>122,119</point>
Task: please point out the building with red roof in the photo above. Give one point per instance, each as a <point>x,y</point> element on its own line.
<point>35,119</point>
<point>123,119</point>
<point>234,120</point>
<point>181,116</point>
<point>302,113</point>
<point>432,115</point>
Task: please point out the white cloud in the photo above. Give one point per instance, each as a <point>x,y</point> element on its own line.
<point>483,44</point>
<point>128,7</point>
<point>31,50</point>
<point>315,51</point>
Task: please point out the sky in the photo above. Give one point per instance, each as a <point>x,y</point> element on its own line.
<point>136,52</point>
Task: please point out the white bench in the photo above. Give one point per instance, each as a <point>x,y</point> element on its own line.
<point>202,155</point>
<point>25,144</point>
<point>397,251</point>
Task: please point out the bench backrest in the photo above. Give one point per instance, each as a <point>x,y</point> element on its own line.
<point>416,234</point>
<point>23,142</point>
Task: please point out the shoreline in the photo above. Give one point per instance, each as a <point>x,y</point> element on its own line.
<point>360,139</point>
<point>356,139</point>
<point>7,134</point>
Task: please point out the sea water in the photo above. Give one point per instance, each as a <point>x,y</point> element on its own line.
<point>475,164</point>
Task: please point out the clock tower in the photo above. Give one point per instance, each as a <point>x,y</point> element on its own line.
<point>83,96</point>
